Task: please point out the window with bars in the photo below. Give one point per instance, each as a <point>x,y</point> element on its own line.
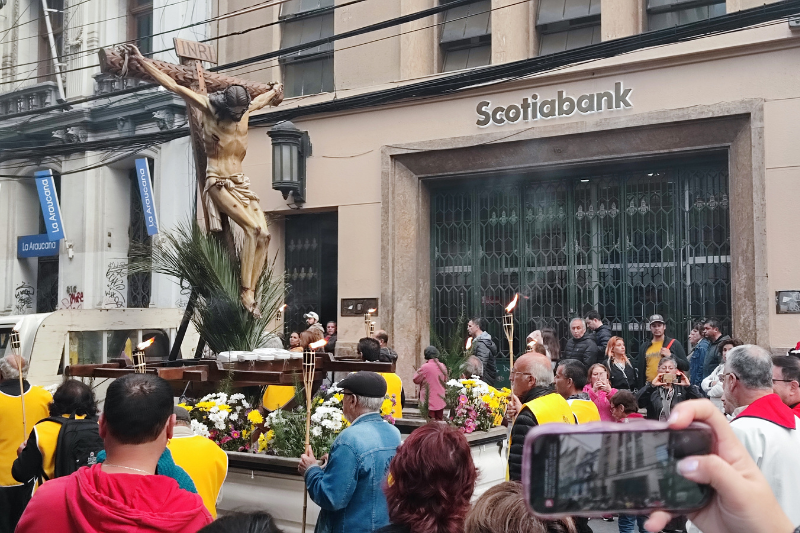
<point>46,71</point>
<point>567,24</point>
<point>466,39</point>
<point>308,71</point>
<point>668,13</point>
<point>47,270</point>
<point>140,284</point>
<point>140,24</point>
<point>629,244</point>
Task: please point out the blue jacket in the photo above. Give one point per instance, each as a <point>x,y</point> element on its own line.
<point>696,360</point>
<point>349,490</point>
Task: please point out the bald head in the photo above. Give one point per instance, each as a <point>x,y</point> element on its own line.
<point>10,365</point>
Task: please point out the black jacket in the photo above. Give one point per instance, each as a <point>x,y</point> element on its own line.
<point>583,349</point>
<point>649,398</point>
<point>522,425</point>
<point>601,337</point>
<point>621,379</point>
<point>678,353</point>
<point>713,356</point>
<point>486,350</point>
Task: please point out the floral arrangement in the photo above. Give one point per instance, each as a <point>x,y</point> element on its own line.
<point>475,405</point>
<point>227,420</point>
<point>286,429</point>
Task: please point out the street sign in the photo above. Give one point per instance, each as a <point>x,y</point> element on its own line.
<point>36,246</point>
<point>146,192</point>
<point>51,211</point>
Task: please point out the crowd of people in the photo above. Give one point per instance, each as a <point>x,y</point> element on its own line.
<point>137,465</point>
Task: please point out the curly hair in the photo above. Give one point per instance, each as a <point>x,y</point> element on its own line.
<point>73,397</point>
<point>501,509</point>
<point>432,479</point>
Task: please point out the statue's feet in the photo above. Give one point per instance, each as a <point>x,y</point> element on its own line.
<point>249,302</point>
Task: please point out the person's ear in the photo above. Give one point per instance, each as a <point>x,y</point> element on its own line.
<point>102,426</point>
<point>170,427</point>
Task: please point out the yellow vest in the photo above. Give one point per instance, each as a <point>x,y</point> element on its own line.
<point>37,407</point>
<point>206,464</point>
<point>548,409</point>
<point>584,410</point>
<point>276,396</point>
<point>46,440</point>
<point>394,387</point>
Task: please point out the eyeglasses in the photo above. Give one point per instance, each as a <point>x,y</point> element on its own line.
<point>726,374</point>
<point>784,380</point>
<point>514,374</point>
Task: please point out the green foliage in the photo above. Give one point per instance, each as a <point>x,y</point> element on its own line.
<point>452,350</point>
<point>424,402</point>
<point>202,261</point>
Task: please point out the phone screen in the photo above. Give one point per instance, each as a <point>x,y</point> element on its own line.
<point>615,471</point>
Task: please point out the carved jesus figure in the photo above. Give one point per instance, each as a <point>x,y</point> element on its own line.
<point>224,123</point>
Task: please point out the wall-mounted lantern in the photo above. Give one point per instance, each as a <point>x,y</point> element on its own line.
<point>290,148</point>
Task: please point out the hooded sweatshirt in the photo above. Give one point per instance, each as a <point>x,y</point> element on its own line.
<point>92,501</point>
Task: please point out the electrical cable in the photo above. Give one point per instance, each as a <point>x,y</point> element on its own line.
<point>497,73</point>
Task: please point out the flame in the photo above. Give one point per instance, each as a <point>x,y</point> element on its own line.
<point>370,311</point>
<point>469,343</point>
<point>531,345</point>
<point>145,344</point>
<point>513,303</point>
<point>318,344</point>
<point>281,308</point>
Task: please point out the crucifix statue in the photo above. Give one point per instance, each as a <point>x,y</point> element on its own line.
<point>220,126</point>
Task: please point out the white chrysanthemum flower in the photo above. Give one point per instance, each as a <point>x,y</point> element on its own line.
<point>237,396</point>
<point>316,431</point>
<point>200,429</point>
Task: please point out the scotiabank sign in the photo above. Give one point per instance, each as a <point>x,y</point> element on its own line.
<point>562,105</point>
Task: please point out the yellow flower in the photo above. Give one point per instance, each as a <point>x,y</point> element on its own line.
<point>255,417</point>
<point>185,406</point>
<point>386,407</point>
<point>224,407</point>
<point>339,396</point>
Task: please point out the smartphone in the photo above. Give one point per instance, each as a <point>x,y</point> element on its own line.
<point>668,378</point>
<point>604,468</point>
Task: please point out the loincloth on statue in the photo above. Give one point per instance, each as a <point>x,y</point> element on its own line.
<point>238,185</point>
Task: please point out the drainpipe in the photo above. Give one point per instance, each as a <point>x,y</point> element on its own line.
<point>53,51</point>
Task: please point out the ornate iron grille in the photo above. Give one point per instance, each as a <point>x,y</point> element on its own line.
<point>629,245</point>
<point>140,284</point>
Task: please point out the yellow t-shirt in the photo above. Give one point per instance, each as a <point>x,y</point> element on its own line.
<point>37,407</point>
<point>205,462</point>
<point>653,356</point>
<point>46,440</point>
<point>276,396</point>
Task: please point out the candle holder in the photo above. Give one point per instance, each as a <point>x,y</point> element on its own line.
<point>508,329</point>
<point>279,314</point>
<point>140,358</point>
<point>371,330</point>
<point>368,323</point>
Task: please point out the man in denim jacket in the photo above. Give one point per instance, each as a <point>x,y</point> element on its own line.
<point>348,488</point>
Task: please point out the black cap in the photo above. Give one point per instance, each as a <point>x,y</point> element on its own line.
<point>364,383</point>
<point>655,319</point>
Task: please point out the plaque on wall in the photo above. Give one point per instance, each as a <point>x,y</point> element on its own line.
<point>788,302</point>
<point>359,306</point>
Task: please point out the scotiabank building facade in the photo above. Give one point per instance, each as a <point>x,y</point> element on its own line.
<point>664,181</point>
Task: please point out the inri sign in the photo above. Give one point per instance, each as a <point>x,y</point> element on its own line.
<point>562,106</point>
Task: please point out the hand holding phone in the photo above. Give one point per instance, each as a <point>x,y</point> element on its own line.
<point>605,468</point>
<point>744,502</point>
<point>513,407</point>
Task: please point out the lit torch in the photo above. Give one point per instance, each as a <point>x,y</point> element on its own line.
<point>279,315</point>
<point>309,366</point>
<point>468,346</point>
<point>139,359</point>
<point>368,323</point>
<point>531,345</point>
<point>508,328</point>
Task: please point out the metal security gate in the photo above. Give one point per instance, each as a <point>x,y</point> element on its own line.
<point>628,244</point>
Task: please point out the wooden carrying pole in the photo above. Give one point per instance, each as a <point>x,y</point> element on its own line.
<point>309,368</point>
<point>15,345</point>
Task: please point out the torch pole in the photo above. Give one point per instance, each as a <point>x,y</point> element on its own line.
<point>508,328</point>
<point>309,365</point>
<point>15,345</point>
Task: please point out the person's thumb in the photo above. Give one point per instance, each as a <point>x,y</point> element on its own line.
<point>713,470</point>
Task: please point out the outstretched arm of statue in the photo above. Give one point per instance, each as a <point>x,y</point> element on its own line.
<point>168,83</point>
<point>272,97</point>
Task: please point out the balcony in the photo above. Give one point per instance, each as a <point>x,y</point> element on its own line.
<point>28,98</point>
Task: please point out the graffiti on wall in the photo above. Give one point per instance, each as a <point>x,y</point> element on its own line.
<point>23,299</point>
<point>116,288</point>
<point>74,299</point>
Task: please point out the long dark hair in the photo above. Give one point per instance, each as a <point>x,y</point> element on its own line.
<point>550,340</point>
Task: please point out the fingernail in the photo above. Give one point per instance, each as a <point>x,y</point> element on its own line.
<point>688,466</point>
<point>673,417</point>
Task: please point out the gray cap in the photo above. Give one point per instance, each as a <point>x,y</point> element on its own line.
<point>431,352</point>
<point>181,414</point>
<point>655,319</point>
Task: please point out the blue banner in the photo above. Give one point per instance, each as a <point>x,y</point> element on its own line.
<point>36,246</point>
<point>146,192</point>
<point>51,211</point>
